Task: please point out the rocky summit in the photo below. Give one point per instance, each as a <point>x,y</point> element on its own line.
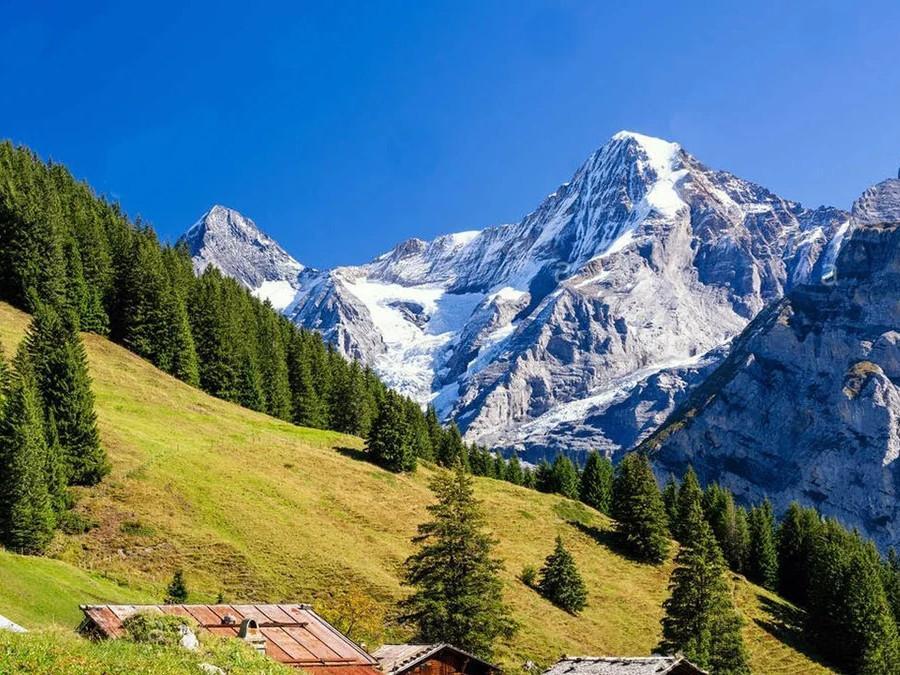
<point>807,404</point>
<point>581,326</point>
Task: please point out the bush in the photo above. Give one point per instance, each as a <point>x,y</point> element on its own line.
<point>72,522</point>
<point>529,575</point>
<point>157,629</point>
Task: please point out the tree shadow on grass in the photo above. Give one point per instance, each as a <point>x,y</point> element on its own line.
<point>353,453</point>
<point>607,538</point>
<point>785,623</point>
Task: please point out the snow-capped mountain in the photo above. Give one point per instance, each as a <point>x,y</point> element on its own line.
<point>582,325</point>
<point>233,243</point>
<point>807,405</point>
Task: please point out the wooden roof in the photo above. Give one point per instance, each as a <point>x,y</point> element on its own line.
<point>396,659</point>
<point>295,634</point>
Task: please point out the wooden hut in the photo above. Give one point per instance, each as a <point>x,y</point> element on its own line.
<point>435,659</point>
<point>290,634</point>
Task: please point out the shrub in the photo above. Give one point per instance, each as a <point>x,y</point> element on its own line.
<point>153,628</point>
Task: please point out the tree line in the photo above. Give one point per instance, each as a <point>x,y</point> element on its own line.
<point>62,246</point>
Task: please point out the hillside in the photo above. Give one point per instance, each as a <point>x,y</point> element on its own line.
<point>259,509</point>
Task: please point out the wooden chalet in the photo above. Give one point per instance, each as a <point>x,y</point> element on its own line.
<point>290,634</point>
<point>624,665</point>
<point>435,659</point>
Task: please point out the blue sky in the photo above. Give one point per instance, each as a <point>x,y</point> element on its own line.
<point>345,127</point>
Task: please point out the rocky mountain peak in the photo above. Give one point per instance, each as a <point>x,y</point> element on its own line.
<point>233,243</point>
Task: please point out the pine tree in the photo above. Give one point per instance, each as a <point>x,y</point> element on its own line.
<point>61,373</point>
<point>499,466</point>
<point>514,472</point>
<point>596,482</point>
<point>762,559</point>
<point>639,510</point>
<point>273,363</point>
<point>435,430</point>
<point>700,619</point>
<point>27,519</point>
<point>55,470</point>
<point>177,592</point>
<point>560,581</point>
<point>4,380</point>
<point>543,477</point>
<point>729,524</point>
<point>418,431</point>
<point>458,595</point>
<point>452,450</point>
<point>689,494</point>
<point>796,542</point>
<point>564,477</point>
<point>389,441</point>
<point>670,499</point>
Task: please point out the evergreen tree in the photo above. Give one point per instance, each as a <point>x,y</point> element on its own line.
<point>890,580</point>
<point>796,541</point>
<point>273,363</point>
<point>452,450</point>
<point>762,566</point>
<point>418,431</point>
<point>689,494</point>
<point>27,519</point>
<point>61,373</point>
<point>4,380</point>
<point>639,510</point>
<point>458,595</point>
<point>499,466</point>
<point>729,524</point>
<point>700,619</point>
<point>177,592</point>
<point>670,499</point>
<point>543,477</point>
<point>389,438</point>
<point>514,472</point>
<point>596,482</point>
<point>560,581</point>
<point>564,477</point>
<point>55,470</point>
<point>308,407</point>
<point>435,430</point>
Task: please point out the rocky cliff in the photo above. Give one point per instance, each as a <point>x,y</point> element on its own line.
<point>807,404</point>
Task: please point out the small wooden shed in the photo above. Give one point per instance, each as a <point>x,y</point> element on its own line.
<point>434,659</point>
<point>290,634</point>
<point>624,665</point>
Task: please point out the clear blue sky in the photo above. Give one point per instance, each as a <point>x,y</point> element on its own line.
<point>345,127</point>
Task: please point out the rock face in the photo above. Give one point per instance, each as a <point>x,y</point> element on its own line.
<point>807,404</point>
<point>233,243</point>
<point>606,303</point>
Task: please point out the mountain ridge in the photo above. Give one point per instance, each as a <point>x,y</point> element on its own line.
<point>639,265</point>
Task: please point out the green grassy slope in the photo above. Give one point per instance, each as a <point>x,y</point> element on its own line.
<point>264,511</point>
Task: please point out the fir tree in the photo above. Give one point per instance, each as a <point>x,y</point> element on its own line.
<point>596,482</point>
<point>176,592</point>
<point>639,510</point>
<point>543,477</point>
<point>458,595</point>
<point>796,541</point>
<point>55,470</point>
<point>700,619</point>
<point>560,581</point>
<point>762,563</point>
<point>514,472</point>
<point>729,524</point>
<point>418,431</point>
<point>389,438</point>
<point>564,477</point>
<point>452,450</point>
<point>670,499</point>
<point>689,494</point>
<point>61,373</point>
<point>435,431</point>
<point>27,519</point>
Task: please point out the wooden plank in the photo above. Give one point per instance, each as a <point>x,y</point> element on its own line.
<point>275,614</point>
<point>294,649</point>
<point>273,651</point>
<point>250,612</point>
<point>176,610</point>
<point>202,614</point>
<point>335,642</point>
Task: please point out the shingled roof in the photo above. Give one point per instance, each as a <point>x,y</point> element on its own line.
<point>295,634</point>
<point>396,659</point>
<point>624,665</point>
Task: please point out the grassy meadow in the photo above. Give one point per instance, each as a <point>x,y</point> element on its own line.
<point>260,510</point>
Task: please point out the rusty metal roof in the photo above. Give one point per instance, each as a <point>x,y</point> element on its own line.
<point>623,665</point>
<point>295,634</point>
<point>396,659</point>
